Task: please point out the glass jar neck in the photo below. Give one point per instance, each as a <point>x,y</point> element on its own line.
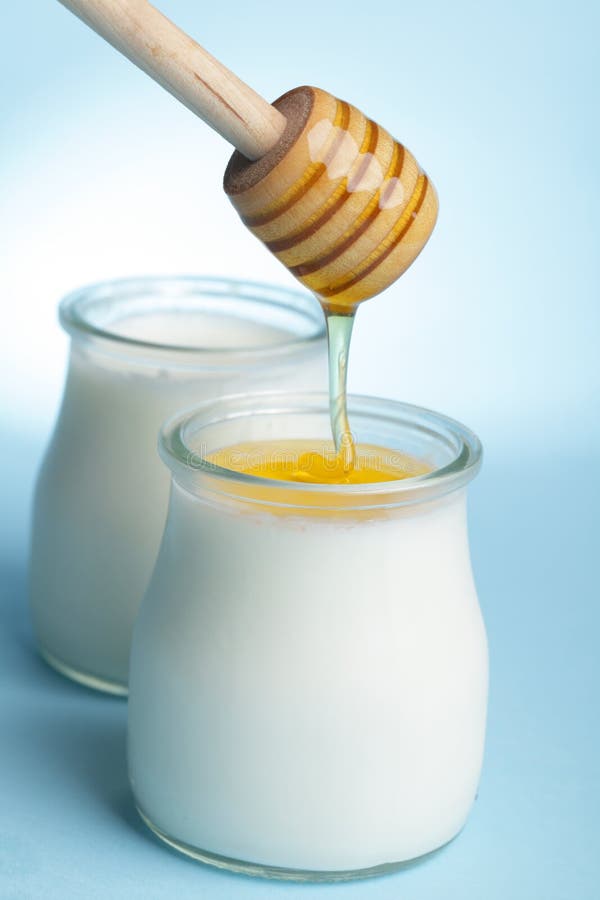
<point>194,322</point>
<point>451,452</point>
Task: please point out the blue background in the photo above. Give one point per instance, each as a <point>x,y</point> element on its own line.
<point>102,174</point>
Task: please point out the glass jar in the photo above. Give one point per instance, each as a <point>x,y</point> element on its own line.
<point>141,349</point>
<point>308,679</point>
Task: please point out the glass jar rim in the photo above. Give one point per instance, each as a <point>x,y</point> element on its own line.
<point>198,474</point>
<point>76,316</point>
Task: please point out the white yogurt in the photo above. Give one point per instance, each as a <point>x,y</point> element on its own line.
<point>102,492</point>
<point>197,329</point>
<point>308,687</point>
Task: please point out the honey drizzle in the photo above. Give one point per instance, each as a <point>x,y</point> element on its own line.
<point>339,334</point>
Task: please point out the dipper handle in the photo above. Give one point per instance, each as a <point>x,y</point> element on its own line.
<point>173,59</point>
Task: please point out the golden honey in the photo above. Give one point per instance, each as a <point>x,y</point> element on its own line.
<point>316,462</point>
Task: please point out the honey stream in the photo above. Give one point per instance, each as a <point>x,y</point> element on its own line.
<point>339,334</point>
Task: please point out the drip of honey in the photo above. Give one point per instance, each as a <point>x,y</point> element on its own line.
<point>339,333</point>
<point>316,462</point>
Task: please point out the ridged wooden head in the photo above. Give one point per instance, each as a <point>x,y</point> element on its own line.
<point>344,206</point>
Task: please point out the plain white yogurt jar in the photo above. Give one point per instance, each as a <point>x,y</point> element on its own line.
<point>141,349</point>
<point>308,681</point>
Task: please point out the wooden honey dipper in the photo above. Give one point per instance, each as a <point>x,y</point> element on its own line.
<point>344,206</point>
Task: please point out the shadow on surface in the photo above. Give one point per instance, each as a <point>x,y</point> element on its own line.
<point>75,735</point>
<point>20,663</point>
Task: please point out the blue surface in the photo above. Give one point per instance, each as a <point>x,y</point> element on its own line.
<point>68,828</point>
<point>498,324</point>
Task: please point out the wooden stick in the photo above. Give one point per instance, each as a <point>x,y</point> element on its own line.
<point>173,59</point>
